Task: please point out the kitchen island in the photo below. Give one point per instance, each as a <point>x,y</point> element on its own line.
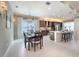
<point>57,36</point>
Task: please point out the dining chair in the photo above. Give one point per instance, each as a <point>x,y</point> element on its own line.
<point>37,40</point>
<point>39,34</point>
<point>66,36</point>
<point>26,40</point>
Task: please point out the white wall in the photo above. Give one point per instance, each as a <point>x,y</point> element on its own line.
<point>17,27</point>
<point>6,35</point>
<point>76,29</point>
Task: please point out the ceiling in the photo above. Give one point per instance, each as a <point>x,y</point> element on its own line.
<point>56,9</point>
<point>74,5</point>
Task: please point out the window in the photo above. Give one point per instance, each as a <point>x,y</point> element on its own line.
<point>27,26</point>
<point>69,26</point>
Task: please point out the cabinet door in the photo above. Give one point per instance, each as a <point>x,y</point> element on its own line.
<point>49,24</point>
<point>42,23</point>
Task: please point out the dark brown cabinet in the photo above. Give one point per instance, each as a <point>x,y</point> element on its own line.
<point>42,23</point>
<point>49,24</point>
<point>45,23</point>
<point>54,25</point>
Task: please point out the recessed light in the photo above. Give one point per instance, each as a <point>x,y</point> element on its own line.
<point>17,6</point>
<point>48,3</point>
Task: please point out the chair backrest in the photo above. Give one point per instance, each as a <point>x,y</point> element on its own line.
<point>24,34</point>
<point>38,36</point>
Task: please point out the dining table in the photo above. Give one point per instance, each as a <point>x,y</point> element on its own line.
<point>31,37</point>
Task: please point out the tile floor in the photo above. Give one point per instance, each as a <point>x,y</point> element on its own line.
<point>50,49</point>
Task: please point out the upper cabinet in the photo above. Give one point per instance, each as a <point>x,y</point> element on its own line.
<point>45,23</point>
<point>49,24</point>
<point>55,26</point>
<point>42,23</point>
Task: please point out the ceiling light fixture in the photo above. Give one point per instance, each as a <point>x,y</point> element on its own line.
<point>48,4</point>
<point>17,6</point>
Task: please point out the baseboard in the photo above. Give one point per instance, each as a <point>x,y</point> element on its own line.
<point>7,49</point>
<point>16,40</point>
<point>10,46</point>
